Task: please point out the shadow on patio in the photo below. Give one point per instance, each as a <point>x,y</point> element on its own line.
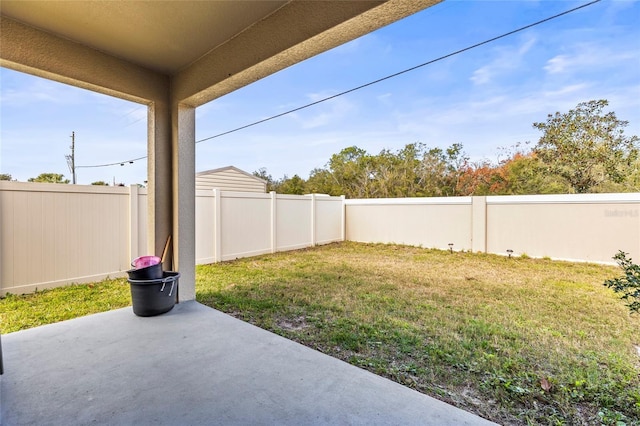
<point>193,366</point>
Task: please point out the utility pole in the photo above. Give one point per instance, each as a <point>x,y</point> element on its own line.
<point>71,159</point>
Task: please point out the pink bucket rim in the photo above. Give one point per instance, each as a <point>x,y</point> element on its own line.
<point>145,261</point>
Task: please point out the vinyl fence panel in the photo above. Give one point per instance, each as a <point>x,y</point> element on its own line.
<point>205,226</point>
<point>577,227</point>
<point>231,225</point>
<point>328,219</point>
<point>57,234</point>
<point>583,227</point>
<point>426,222</point>
<point>293,222</point>
<point>247,224</point>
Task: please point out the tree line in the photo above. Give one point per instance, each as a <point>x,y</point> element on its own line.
<point>50,178</point>
<point>584,150</point>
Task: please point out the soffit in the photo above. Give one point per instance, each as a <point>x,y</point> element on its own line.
<point>164,36</point>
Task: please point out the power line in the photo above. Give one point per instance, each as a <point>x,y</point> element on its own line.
<point>457,52</point>
<point>122,163</point>
<point>371,83</point>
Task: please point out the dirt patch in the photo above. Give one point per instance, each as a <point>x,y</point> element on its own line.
<point>292,324</point>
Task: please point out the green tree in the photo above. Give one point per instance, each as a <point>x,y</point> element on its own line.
<point>100,183</point>
<point>439,171</point>
<point>395,173</point>
<point>322,181</point>
<point>526,174</point>
<point>5,176</point>
<point>49,178</point>
<point>412,171</point>
<point>587,147</point>
<point>352,171</point>
<point>293,185</point>
<point>272,185</point>
<point>632,183</point>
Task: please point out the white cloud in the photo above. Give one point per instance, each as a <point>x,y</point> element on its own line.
<point>590,57</point>
<point>384,98</point>
<point>328,112</point>
<point>506,60</point>
<point>482,75</point>
<point>527,46</point>
<point>557,64</point>
<point>21,90</point>
<point>33,94</point>
<point>566,90</point>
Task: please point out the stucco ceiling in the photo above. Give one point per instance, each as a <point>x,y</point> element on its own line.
<point>164,36</point>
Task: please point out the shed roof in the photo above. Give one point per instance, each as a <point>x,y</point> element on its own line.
<point>228,168</point>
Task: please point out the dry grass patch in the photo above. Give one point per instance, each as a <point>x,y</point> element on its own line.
<point>515,340</point>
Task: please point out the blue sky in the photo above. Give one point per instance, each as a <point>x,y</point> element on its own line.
<point>486,99</point>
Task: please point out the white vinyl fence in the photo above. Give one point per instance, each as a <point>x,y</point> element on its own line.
<point>579,227</point>
<point>232,225</point>
<point>52,235</point>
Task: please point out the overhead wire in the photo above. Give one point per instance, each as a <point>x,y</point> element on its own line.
<point>371,83</point>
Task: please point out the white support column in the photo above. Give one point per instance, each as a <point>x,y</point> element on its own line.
<point>274,222</point>
<point>184,197</point>
<point>217,225</point>
<point>159,193</point>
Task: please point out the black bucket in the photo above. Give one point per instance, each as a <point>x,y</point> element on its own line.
<point>154,297</point>
<point>153,272</point>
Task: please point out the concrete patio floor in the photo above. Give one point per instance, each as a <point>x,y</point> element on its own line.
<point>194,366</point>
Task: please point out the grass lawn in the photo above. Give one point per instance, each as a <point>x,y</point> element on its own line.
<point>62,303</point>
<point>518,341</point>
<point>515,340</point>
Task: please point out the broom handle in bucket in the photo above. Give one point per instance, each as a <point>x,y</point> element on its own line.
<point>166,248</point>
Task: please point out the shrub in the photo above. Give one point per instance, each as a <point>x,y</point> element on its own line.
<point>629,284</point>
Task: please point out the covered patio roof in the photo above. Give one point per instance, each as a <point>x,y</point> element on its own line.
<point>174,56</point>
